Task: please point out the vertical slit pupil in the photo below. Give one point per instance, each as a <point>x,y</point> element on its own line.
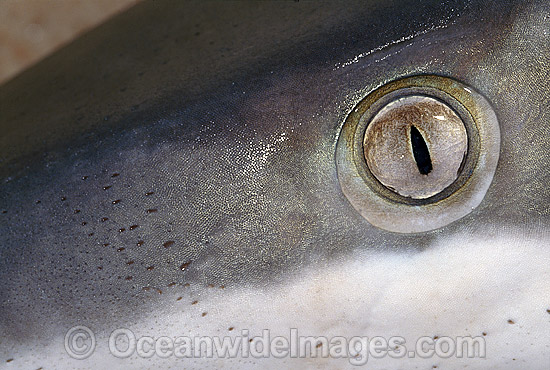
<point>420,152</point>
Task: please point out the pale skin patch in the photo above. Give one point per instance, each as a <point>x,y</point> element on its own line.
<point>456,288</point>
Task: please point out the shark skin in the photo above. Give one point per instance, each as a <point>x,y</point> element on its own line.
<point>173,173</point>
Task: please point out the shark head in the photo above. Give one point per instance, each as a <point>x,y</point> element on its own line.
<point>175,174</point>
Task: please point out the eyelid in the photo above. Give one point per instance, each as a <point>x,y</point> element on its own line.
<point>390,211</point>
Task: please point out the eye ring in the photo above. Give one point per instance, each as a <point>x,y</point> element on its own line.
<point>391,211</point>
<point>365,118</point>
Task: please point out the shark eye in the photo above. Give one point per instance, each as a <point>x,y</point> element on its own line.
<point>418,153</point>
<point>415,146</point>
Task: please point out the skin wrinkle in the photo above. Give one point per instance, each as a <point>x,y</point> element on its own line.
<point>193,152</point>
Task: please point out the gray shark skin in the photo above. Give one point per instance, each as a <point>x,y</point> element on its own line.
<point>172,172</point>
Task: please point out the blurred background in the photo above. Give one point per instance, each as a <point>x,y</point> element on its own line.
<point>32,29</point>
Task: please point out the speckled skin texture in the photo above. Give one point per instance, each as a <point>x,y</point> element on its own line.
<point>214,126</point>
